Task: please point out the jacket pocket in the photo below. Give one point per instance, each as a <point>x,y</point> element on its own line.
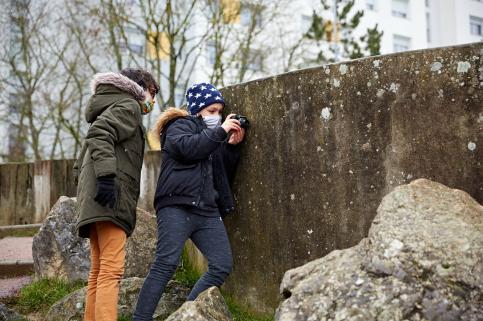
<point>128,194</point>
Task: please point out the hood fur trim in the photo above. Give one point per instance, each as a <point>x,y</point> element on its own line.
<point>119,81</point>
<point>167,116</point>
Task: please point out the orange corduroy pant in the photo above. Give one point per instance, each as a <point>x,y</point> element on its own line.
<point>108,242</point>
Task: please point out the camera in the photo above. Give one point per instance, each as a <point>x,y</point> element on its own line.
<point>244,123</point>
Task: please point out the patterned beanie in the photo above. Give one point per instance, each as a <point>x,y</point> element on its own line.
<point>202,95</point>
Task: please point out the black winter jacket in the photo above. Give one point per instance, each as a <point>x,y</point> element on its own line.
<point>188,149</point>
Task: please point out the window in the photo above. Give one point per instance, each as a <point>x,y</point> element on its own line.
<point>401,43</point>
<point>132,41</point>
<point>371,5</point>
<point>400,8</point>
<point>14,103</point>
<point>306,22</point>
<point>251,12</point>
<point>476,24</point>
<point>15,40</point>
<point>179,94</point>
<point>136,49</point>
<point>211,52</point>
<point>255,60</point>
<point>428,27</point>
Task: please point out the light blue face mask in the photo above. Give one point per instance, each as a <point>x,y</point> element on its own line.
<point>212,121</point>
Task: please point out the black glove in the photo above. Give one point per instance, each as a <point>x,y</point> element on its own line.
<point>106,191</point>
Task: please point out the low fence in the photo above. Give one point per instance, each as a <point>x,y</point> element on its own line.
<point>28,190</point>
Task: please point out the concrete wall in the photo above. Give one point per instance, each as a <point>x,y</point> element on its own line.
<point>326,145</point>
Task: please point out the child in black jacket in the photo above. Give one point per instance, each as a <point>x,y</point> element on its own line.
<point>199,158</point>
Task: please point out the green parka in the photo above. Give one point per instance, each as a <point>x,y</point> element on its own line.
<point>114,144</point>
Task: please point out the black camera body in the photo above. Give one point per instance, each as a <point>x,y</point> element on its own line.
<point>244,123</point>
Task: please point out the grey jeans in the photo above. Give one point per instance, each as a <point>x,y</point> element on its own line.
<point>175,226</point>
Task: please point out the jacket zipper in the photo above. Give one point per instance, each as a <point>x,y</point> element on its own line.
<point>201,187</point>
<point>202,183</point>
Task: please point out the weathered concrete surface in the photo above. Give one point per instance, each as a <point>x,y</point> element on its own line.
<point>327,143</point>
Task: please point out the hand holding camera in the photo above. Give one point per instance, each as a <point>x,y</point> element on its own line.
<point>235,126</point>
<point>231,124</point>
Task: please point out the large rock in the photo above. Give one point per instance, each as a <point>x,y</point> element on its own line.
<point>208,306</point>
<point>71,308</point>
<point>59,252</point>
<point>141,245</point>
<point>7,314</point>
<point>422,260</point>
<point>56,249</point>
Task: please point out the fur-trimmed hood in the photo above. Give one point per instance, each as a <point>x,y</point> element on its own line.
<point>119,81</point>
<point>104,96</point>
<point>167,116</point>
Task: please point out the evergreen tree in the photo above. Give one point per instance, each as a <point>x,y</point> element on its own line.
<point>322,31</point>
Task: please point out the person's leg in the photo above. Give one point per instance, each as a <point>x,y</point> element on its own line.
<point>112,243</point>
<point>211,239</point>
<point>174,228</point>
<point>89,311</point>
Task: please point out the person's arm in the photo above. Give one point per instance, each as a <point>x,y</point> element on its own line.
<point>115,124</point>
<point>185,144</point>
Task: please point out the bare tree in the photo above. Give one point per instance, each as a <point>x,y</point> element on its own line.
<point>27,68</point>
<point>238,39</point>
<point>49,72</point>
<point>41,84</point>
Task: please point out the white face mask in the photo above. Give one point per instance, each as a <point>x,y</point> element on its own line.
<point>212,121</point>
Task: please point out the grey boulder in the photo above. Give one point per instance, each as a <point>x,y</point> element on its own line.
<point>7,314</point>
<point>56,249</point>
<point>59,253</point>
<point>71,308</point>
<point>208,306</point>
<point>422,260</point>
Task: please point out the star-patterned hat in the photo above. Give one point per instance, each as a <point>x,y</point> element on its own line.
<point>202,95</point>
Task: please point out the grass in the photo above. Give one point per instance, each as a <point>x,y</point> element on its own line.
<point>40,295</point>
<point>188,276</point>
<point>19,233</point>
<point>185,273</point>
<point>27,233</point>
<point>240,313</point>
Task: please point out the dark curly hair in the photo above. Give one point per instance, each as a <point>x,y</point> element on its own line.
<point>143,78</point>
